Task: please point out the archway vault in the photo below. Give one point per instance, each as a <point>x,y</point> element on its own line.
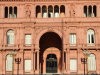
<point>45,31</point>
<point>50,43</point>
<point>50,39</point>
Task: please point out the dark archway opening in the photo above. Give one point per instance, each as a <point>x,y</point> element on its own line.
<point>51,63</point>
<point>48,40</point>
<point>38,11</point>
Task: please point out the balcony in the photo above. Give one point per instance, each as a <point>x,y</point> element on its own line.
<point>83,46</point>
<point>31,46</point>
<point>28,46</point>
<point>9,46</point>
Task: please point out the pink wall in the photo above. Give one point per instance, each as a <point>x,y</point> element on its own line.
<point>63,26</point>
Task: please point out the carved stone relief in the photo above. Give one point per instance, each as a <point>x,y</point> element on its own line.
<point>72,11</point>
<point>28,11</point>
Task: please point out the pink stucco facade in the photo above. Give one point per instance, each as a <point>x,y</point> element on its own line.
<point>49,34</point>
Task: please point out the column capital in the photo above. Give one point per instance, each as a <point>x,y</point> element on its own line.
<point>67,51</point>
<point>37,47</point>
<point>37,51</point>
<point>78,50</point>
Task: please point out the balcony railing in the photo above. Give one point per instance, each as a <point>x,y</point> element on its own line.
<point>10,45</point>
<point>28,45</point>
<point>70,46</point>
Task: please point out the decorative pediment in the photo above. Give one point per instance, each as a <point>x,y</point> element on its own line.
<point>10,28</point>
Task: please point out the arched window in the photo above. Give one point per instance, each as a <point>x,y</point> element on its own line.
<point>38,12</point>
<point>10,37</point>
<point>90,36</point>
<point>62,11</point>
<point>10,12</point>
<point>15,12</point>
<point>50,11</point>
<point>90,11</point>
<point>6,12</point>
<point>56,11</point>
<point>9,63</point>
<point>94,11</point>
<point>85,11</point>
<point>91,62</point>
<point>44,12</point>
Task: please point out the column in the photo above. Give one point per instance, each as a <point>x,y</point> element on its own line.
<point>53,11</point>
<point>68,61</point>
<point>37,51</point>
<point>47,12</point>
<point>22,62</point>
<point>37,60</point>
<point>41,11</point>
<point>78,61</point>
<point>15,63</point>
<point>4,63</point>
<point>32,71</point>
<point>1,62</point>
<point>87,12</point>
<point>12,12</point>
<point>96,37</point>
<point>62,62</point>
<point>37,71</point>
<point>59,11</point>
<point>34,61</point>
<point>5,38</point>
<point>97,61</point>
<point>44,65</point>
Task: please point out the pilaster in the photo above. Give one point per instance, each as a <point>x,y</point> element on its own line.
<point>4,63</point>
<point>21,69</point>
<point>37,52</point>
<point>34,61</point>
<point>97,61</point>
<point>32,57</point>
<point>68,61</point>
<point>1,62</point>
<point>78,61</point>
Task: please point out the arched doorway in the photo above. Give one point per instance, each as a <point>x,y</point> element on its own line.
<point>52,41</point>
<point>51,63</point>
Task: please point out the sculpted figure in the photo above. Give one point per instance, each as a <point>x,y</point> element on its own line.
<point>72,12</point>
<point>28,12</point>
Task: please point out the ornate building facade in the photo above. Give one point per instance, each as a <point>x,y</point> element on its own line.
<point>49,36</point>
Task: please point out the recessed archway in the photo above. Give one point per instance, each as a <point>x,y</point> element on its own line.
<point>51,63</point>
<point>49,40</point>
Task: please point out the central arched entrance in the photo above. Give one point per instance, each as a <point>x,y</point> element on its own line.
<point>50,44</point>
<point>51,63</point>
